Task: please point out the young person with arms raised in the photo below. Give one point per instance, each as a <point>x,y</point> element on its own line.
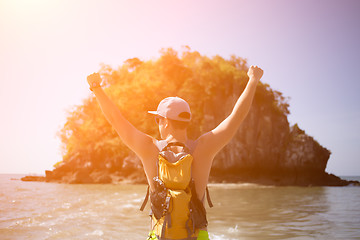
<point>177,169</point>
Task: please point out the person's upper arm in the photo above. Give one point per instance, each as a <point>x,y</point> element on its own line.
<point>217,138</point>
<point>139,142</point>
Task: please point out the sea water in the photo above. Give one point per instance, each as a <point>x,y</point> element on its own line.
<point>37,210</point>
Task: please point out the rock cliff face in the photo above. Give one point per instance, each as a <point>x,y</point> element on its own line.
<point>267,150</point>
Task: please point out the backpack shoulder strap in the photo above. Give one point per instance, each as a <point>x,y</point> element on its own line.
<point>145,200</point>
<point>208,197</point>
<point>161,144</point>
<point>178,144</point>
<point>189,146</point>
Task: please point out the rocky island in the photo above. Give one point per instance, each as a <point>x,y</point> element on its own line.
<point>265,150</point>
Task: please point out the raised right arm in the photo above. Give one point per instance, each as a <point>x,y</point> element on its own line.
<point>139,142</point>
<point>217,138</point>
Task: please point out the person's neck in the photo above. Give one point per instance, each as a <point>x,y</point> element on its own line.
<point>179,137</point>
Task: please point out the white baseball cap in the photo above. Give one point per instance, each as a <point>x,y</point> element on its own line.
<point>174,108</point>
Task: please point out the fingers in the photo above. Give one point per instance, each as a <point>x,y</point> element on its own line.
<point>94,78</point>
<point>255,72</point>
<point>255,67</point>
<point>93,75</point>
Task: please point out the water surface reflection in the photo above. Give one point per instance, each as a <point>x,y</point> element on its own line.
<point>269,212</point>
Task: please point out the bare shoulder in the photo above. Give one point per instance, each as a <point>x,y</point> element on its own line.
<point>148,157</point>
<point>149,150</point>
<point>204,145</point>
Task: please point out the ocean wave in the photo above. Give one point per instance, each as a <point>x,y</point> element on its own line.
<point>237,185</point>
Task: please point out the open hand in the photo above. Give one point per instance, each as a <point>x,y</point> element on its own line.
<point>255,72</point>
<point>94,79</point>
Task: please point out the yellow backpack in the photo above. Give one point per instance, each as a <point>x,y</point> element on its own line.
<point>176,211</point>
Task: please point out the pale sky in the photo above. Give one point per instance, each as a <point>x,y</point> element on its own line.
<point>309,51</point>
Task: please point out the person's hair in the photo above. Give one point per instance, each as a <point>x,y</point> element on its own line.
<point>178,125</point>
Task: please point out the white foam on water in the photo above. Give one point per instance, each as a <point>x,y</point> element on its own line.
<point>128,205</point>
<point>236,185</point>
<point>97,232</point>
<point>233,229</point>
<point>138,200</point>
<point>217,237</point>
<point>66,205</point>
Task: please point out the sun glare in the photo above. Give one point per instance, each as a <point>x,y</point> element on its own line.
<point>25,7</point>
